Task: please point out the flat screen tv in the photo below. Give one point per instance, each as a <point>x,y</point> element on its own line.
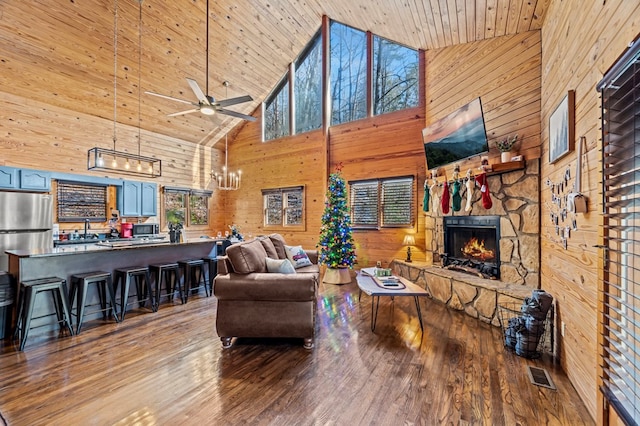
<point>455,137</point>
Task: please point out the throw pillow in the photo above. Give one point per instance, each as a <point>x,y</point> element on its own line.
<point>278,243</point>
<point>269,247</point>
<point>282,266</point>
<point>297,256</point>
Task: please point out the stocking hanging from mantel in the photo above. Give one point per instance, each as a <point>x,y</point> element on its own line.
<point>445,198</point>
<point>484,189</point>
<point>456,198</point>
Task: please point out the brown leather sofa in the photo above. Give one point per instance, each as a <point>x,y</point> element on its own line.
<point>253,302</point>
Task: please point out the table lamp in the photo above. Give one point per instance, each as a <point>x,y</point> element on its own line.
<point>409,240</point>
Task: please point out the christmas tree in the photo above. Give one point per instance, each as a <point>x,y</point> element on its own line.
<point>336,243</point>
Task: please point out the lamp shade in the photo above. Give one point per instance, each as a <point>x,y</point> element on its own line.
<point>409,240</point>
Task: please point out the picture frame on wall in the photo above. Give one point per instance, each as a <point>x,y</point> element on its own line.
<point>562,128</point>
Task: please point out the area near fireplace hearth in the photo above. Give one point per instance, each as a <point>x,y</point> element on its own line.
<point>504,264</point>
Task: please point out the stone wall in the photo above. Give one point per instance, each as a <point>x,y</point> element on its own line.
<point>516,199</point>
<point>477,297</point>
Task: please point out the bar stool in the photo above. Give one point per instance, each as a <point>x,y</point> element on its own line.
<point>141,276</point>
<point>79,286</point>
<point>28,292</point>
<point>193,276</point>
<point>212,270</point>
<point>163,271</point>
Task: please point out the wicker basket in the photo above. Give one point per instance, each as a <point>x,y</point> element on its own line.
<point>522,332</point>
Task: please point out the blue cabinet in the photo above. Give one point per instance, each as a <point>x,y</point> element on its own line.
<point>149,199</point>
<point>139,199</point>
<point>8,178</point>
<point>35,180</point>
<point>27,179</point>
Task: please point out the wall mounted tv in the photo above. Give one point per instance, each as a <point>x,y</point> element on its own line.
<point>457,136</point>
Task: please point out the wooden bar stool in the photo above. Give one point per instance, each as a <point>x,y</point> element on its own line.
<point>193,276</point>
<point>164,271</point>
<point>79,286</point>
<point>212,270</point>
<point>57,287</point>
<point>123,276</point>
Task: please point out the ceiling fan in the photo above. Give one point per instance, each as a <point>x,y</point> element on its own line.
<point>206,104</point>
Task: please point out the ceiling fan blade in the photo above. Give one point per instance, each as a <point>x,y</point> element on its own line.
<point>170,98</point>
<point>183,112</point>
<point>233,101</point>
<point>235,114</point>
<point>198,92</point>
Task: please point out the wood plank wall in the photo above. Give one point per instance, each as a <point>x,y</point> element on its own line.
<point>391,145</point>
<point>580,41</point>
<point>36,135</point>
<point>376,147</point>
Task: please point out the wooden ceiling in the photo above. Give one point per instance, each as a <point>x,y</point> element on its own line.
<point>61,52</point>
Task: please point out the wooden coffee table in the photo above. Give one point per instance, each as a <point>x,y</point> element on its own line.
<point>375,288</point>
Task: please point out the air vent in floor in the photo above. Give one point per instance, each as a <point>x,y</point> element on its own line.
<point>540,377</point>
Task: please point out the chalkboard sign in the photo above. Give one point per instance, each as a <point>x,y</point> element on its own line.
<point>79,201</point>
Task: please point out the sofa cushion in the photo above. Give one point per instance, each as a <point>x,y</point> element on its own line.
<point>247,257</point>
<point>269,247</point>
<point>311,269</point>
<point>297,256</point>
<point>278,243</point>
<point>282,266</point>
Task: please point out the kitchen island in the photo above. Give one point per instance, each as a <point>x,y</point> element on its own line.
<point>64,261</point>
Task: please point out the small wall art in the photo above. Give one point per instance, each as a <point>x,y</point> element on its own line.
<point>562,128</point>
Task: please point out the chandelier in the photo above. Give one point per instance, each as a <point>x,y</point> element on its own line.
<point>227,181</point>
<point>121,161</point>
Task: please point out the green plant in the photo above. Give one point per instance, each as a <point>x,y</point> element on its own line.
<point>506,144</point>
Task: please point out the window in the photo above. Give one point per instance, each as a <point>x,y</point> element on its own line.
<point>395,76</point>
<point>284,207</point>
<point>199,207</point>
<point>308,88</point>
<point>348,73</point>
<point>276,113</point>
<point>620,306</point>
<point>366,72</point>
<point>385,203</point>
<point>182,203</point>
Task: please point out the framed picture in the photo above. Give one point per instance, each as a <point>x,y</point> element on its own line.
<point>562,128</point>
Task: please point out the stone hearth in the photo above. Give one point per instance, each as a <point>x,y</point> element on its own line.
<point>477,297</point>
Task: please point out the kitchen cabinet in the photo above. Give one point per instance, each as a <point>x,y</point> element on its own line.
<point>8,178</point>
<point>139,199</point>
<point>27,179</point>
<point>35,180</point>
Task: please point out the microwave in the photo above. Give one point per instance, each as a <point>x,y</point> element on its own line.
<point>145,229</point>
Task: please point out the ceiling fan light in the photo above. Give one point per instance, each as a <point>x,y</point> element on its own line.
<point>207,110</point>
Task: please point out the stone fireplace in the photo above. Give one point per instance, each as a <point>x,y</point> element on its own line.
<point>513,219</point>
<point>472,244</point>
<point>516,216</point>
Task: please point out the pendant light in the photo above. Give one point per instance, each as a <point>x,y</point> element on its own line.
<point>121,161</point>
<point>227,181</point>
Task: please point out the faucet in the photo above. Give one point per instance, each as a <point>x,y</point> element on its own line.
<point>87,225</point>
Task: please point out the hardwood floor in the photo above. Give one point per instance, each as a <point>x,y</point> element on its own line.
<point>169,368</point>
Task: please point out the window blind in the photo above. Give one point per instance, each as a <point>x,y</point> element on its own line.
<point>382,203</point>
<point>397,202</point>
<point>364,204</point>
<point>620,306</point>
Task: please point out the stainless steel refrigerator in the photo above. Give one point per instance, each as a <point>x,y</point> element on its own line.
<point>26,222</point>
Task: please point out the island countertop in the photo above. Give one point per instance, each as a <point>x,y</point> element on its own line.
<point>104,246</point>
<point>65,261</point>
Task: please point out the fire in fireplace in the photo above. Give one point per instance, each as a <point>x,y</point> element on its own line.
<point>472,244</point>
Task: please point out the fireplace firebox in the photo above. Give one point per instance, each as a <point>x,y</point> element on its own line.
<point>472,244</point>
